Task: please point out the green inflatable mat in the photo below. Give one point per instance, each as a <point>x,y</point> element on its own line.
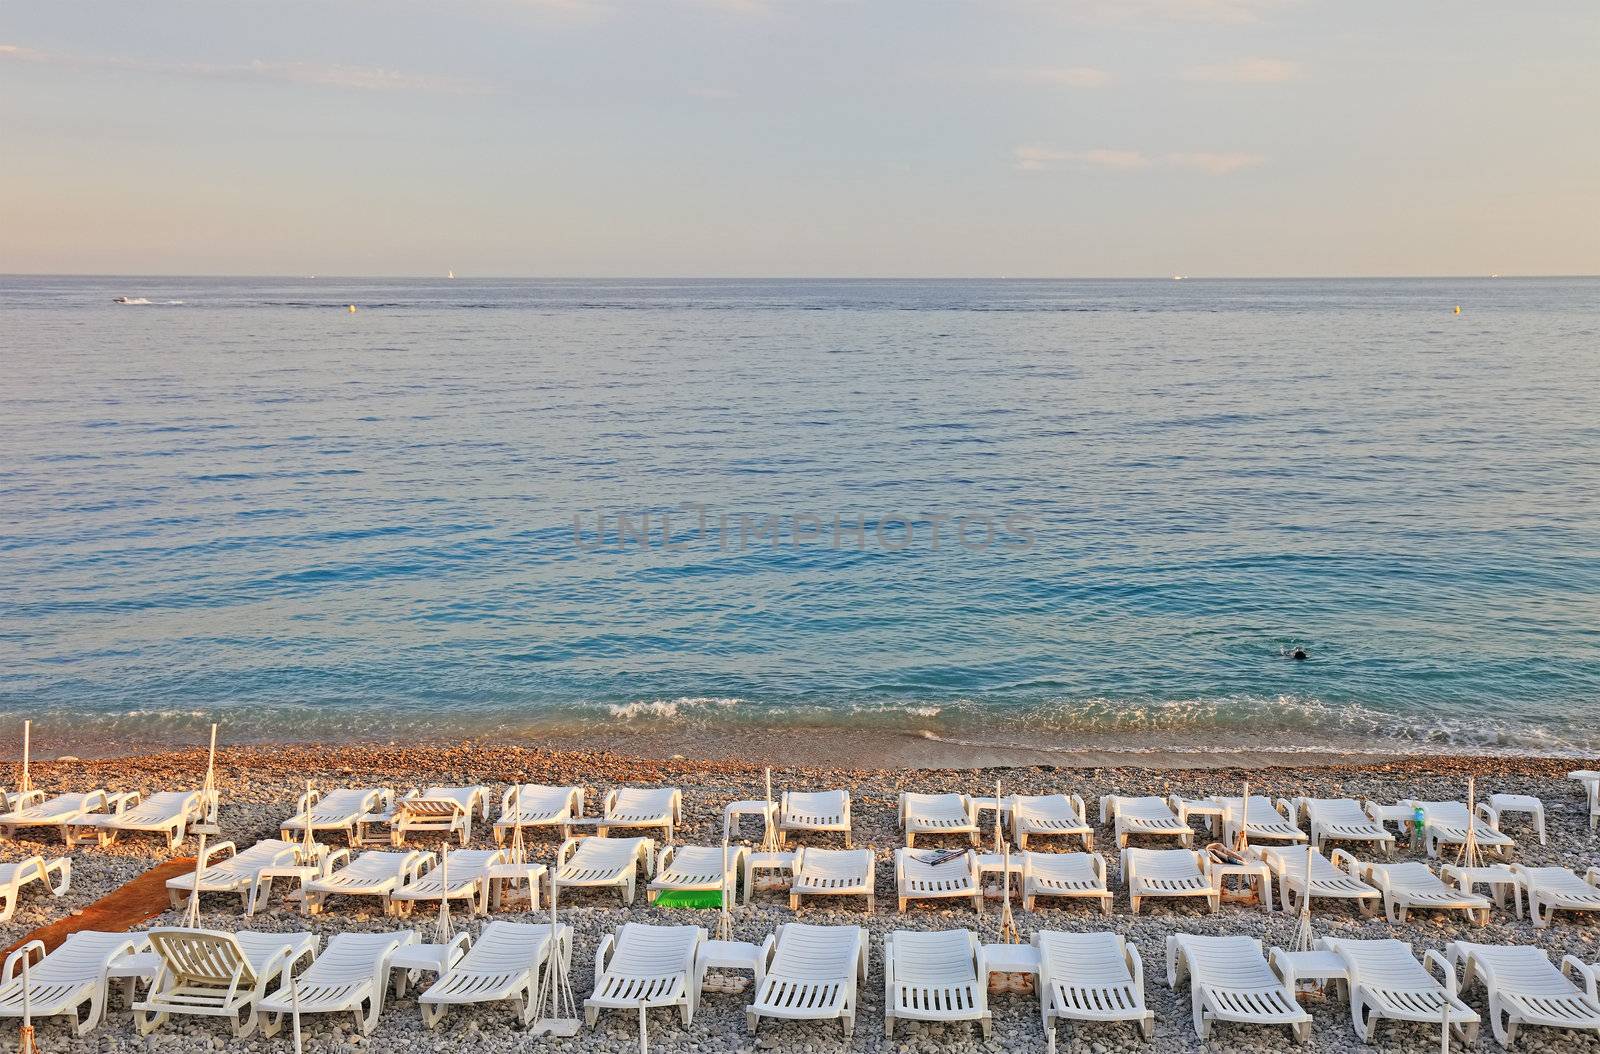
<point>690,898</point>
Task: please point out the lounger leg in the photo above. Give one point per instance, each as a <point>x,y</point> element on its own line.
<point>752,1021</point>
<point>432,1014</point>
<point>148,1021</point>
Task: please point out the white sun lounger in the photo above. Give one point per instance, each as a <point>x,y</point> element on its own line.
<point>1328,879</point>
<point>1590,780</point>
<point>209,973</point>
<point>934,814</point>
<point>447,810</point>
<point>588,863</point>
<point>1049,815</point>
<point>1168,873</point>
<point>934,977</point>
<point>697,867</point>
<point>917,878</point>
<point>1148,816</point>
<point>1267,822</point>
<point>814,811</point>
<point>1525,988</point>
<point>832,872</point>
<point>1496,806</point>
<point>813,975</point>
<point>1552,889</point>
<point>1077,875</point>
<point>350,975</point>
<point>1386,981</point>
<point>378,875</point>
<point>60,812</point>
<point>506,963</point>
<point>641,967</point>
<point>536,805</point>
<point>469,880</point>
<point>69,982</point>
<point>1342,820</point>
<point>167,813</point>
<point>1410,885</point>
<point>15,876</point>
<point>338,810</point>
<point>227,870</point>
<point>1445,823</point>
<point>633,809</point>
<point>1229,980</point>
<point>1090,977</point>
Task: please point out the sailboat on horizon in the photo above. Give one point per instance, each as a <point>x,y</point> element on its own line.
<point>449,272</point>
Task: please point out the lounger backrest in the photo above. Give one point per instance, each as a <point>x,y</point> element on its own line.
<point>634,801</point>
<point>471,861</point>
<point>1292,863</point>
<point>503,947</point>
<point>931,804</point>
<point>1451,813</point>
<point>935,956</point>
<point>1519,968</point>
<point>1096,956</point>
<point>604,852</point>
<point>1163,863</point>
<point>835,861</point>
<point>350,954</point>
<point>1047,805</point>
<point>643,949</point>
<point>820,953</point>
<point>1336,810</point>
<point>537,798</point>
<point>84,953</point>
<point>376,865</point>
<point>1409,873</point>
<point>168,803</point>
<point>1149,807</point>
<point>261,853</point>
<point>343,801</point>
<point>1383,963</point>
<point>208,957</point>
<point>1228,962</point>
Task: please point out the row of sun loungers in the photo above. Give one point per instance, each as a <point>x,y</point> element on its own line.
<point>804,972</point>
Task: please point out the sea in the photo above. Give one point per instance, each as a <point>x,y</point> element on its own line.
<point>1061,514</point>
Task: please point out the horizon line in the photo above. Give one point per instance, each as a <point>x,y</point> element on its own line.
<point>800,277</point>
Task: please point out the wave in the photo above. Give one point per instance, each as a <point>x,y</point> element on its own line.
<point>667,709</point>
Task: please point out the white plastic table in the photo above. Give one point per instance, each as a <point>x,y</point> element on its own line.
<point>530,874</point>
<point>1008,958</point>
<point>411,959</point>
<point>731,955</point>
<point>735,811</point>
<point>1500,804</point>
<point>1318,965</point>
<point>753,862</point>
<point>1257,877</point>
<point>1498,877</point>
<point>300,874</point>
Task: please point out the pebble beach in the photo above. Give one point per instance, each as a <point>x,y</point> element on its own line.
<point>259,786</point>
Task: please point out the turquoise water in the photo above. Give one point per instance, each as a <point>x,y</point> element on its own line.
<point>320,524</point>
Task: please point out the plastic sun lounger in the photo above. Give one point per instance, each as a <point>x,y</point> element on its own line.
<point>1288,867</point>
<point>1343,820</point>
<point>1090,977</point>
<point>338,810</point>
<point>351,974</point>
<point>378,875</point>
<point>69,982</point>
<point>15,876</point>
<point>1410,885</point>
<point>1445,823</point>
<point>438,809</point>
<point>167,813</point>
<point>536,805</point>
<point>916,877</point>
<point>1386,981</point>
<point>1590,780</point>
<point>506,963</point>
<point>1265,821</point>
<point>934,977</point>
<point>209,973</point>
<point>1229,980</point>
<point>813,975</point>
<point>696,867</point>
<point>832,872</point>
<point>936,814</point>
<point>1552,889</point>
<point>469,881</point>
<point>641,967</point>
<point>1168,873</point>
<point>587,863</point>
<point>227,870</point>
<point>1077,875</point>
<point>814,811</point>
<point>632,809</point>
<point>61,812</point>
<point>1049,815</point>
<point>1147,816</point>
<point>1525,988</point>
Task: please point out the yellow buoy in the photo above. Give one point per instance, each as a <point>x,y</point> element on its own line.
<point>1458,309</point>
<point>353,309</point>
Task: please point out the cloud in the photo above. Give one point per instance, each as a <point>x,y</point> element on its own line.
<point>349,78</point>
<point>1245,71</point>
<point>1064,76</point>
<point>1049,159</point>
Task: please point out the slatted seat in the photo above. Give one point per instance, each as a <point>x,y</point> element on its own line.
<point>1386,981</point>
<point>1444,823</point>
<point>1525,988</point>
<point>209,973</point>
<point>813,976</point>
<point>1262,820</point>
<point>697,867</point>
<point>933,977</point>
<point>1090,977</point>
<point>469,881</point>
<point>351,975</point>
<point>916,877</point>
<point>1288,867</point>
<point>814,812</point>
<point>1168,873</point>
<point>938,814</point>
<point>1147,816</point>
<point>506,963</point>
<point>1076,875</point>
<point>536,805</point>
<point>1552,889</point>
<point>1229,980</point>
<point>589,863</point>
<point>641,967</point>
<point>70,982</point>
<point>1049,815</point>
<point>1343,820</point>
<point>832,872</point>
<point>378,875</point>
<point>338,810</point>
<point>1409,885</point>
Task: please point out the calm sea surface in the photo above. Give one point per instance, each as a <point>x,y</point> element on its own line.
<point>320,524</point>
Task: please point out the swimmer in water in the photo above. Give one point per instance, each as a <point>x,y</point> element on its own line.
<point>1297,653</point>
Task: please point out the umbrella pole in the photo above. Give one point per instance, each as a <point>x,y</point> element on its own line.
<point>446,931</point>
<point>26,783</point>
<point>191,916</point>
<point>210,788</point>
<point>25,1044</point>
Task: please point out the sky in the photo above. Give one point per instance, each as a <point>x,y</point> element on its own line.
<point>800,137</point>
